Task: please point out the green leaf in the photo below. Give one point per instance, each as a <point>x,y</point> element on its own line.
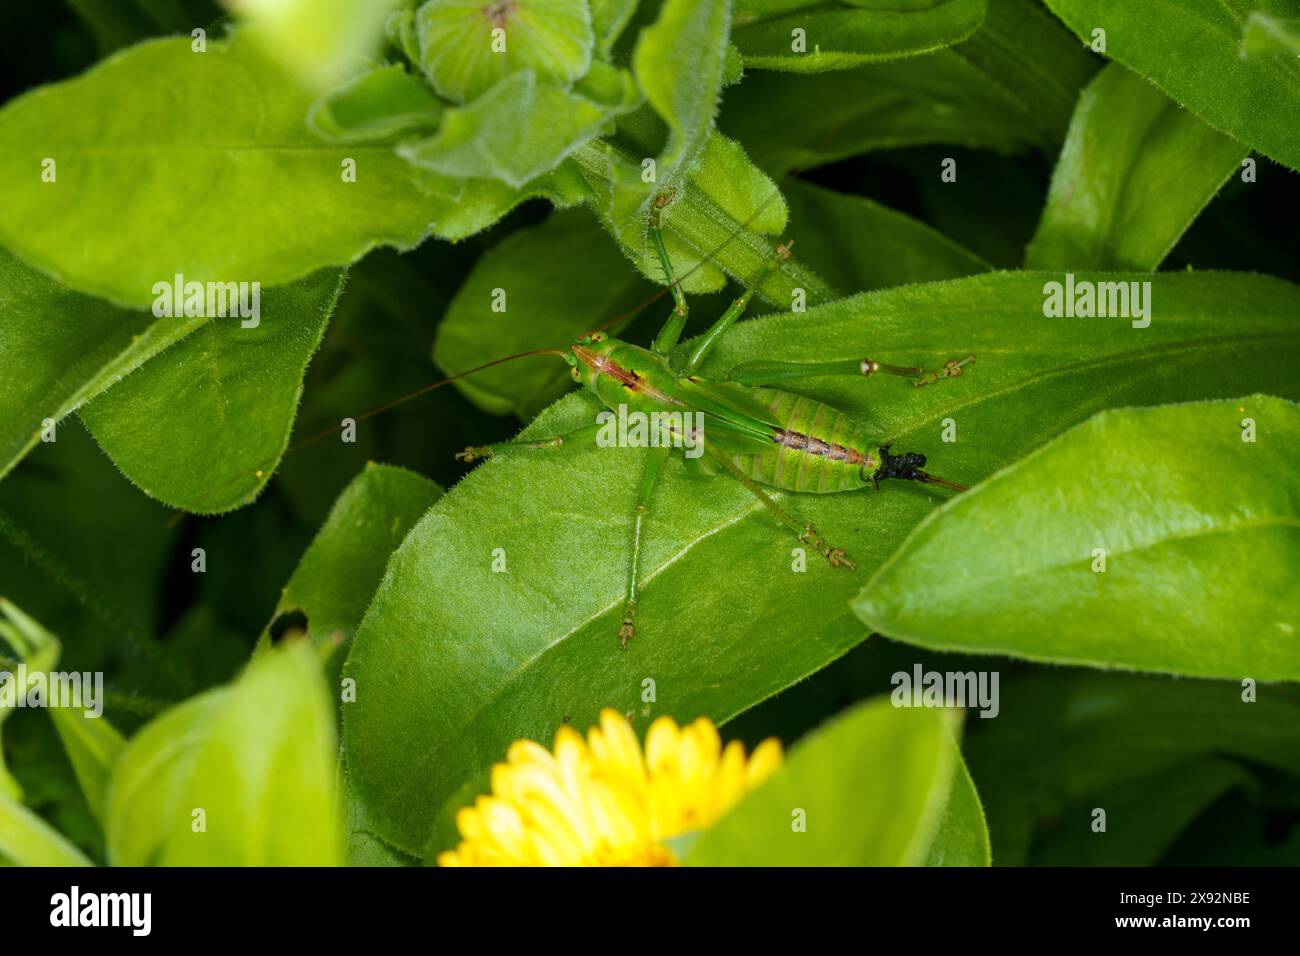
<point>27,840</point>
<point>515,132</point>
<point>462,57</point>
<point>339,572</point>
<point>835,35</point>
<point>88,553</point>
<point>1191,49</point>
<point>374,105</point>
<point>715,225</point>
<point>123,22</point>
<point>679,62</point>
<point>1012,567</point>
<point>1265,35</point>
<point>471,659</point>
<point>91,742</point>
<point>257,757</point>
<point>842,235</point>
<point>203,428</point>
<point>608,18</point>
<point>134,204</point>
<point>1012,86</point>
<point>402,33</point>
<point>962,836</point>
<point>320,40</point>
<point>1066,738</point>
<point>1135,171</point>
<point>545,272</point>
<point>1028,55</point>
<point>46,373</point>
<point>938,98</point>
<point>869,788</point>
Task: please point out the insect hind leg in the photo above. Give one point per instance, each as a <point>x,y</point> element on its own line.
<point>806,533</point>
<point>920,376</point>
<point>774,373</point>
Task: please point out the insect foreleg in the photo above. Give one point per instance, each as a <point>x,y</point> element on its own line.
<point>806,533</point>
<point>725,321</point>
<point>653,466</point>
<point>475,452</point>
<point>771,373</point>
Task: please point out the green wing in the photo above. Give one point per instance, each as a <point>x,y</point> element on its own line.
<point>734,421</point>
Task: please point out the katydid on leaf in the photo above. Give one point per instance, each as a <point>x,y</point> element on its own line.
<point>757,434</point>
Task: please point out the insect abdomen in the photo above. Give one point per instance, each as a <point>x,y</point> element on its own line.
<point>816,449</point>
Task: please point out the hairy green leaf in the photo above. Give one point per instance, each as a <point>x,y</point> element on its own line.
<point>466,46</point>
<point>203,428</point>
<point>679,62</point>
<point>132,205</point>
<point>1191,49</point>
<point>515,132</point>
<point>803,37</point>
<point>1135,171</point>
<point>608,18</point>
<point>868,788</point>
<point>715,225</point>
<point>257,757</point>
<point>47,373</point>
<point>374,105</point>
<point>1200,581</point>
<point>471,659</point>
<point>545,273</point>
<point>843,236</point>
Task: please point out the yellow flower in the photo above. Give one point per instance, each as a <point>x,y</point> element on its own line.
<point>601,801</point>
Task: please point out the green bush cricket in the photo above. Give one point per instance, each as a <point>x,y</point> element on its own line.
<point>759,434</point>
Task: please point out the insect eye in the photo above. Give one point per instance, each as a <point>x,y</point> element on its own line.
<point>575,374</point>
<point>597,336</point>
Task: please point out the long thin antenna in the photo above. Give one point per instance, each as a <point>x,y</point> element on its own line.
<point>628,315</point>
<point>424,390</point>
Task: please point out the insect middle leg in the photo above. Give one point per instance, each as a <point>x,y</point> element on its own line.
<point>653,468</point>
<point>806,533</point>
<point>725,321</point>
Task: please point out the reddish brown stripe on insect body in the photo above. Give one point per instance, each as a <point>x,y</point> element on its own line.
<point>816,446</point>
<point>602,364</point>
